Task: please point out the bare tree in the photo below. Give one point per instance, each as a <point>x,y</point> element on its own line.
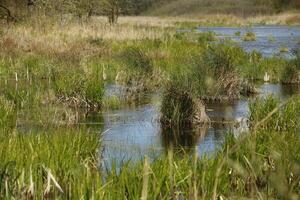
<point>5,13</point>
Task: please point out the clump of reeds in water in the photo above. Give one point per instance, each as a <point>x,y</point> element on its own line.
<point>181,108</point>
<point>249,36</point>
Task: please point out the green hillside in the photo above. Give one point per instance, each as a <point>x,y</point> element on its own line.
<point>238,7</point>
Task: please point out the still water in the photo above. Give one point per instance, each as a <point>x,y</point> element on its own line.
<point>269,39</point>
<point>133,132</point>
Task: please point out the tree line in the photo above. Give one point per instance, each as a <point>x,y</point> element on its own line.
<point>13,10</point>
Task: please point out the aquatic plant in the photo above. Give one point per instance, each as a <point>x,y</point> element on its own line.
<point>79,88</point>
<point>238,33</point>
<point>180,107</point>
<point>223,58</point>
<point>283,49</point>
<point>249,36</point>
<point>111,102</point>
<point>271,39</point>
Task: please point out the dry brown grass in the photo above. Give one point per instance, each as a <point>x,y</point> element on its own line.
<point>53,37</point>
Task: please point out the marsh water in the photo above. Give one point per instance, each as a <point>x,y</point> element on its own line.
<point>135,131</point>
<point>270,40</point>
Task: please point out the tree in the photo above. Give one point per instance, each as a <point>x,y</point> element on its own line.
<point>114,8</point>
<point>5,11</point>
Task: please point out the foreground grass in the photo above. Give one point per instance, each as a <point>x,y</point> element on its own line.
<point>58,163</point>
<point>64,164</point>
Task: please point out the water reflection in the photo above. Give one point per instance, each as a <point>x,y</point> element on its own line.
<point>133,132</point>
<point>182,140</point>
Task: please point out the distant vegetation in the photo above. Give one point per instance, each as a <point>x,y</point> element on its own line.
<point>13,10</point>
<point>236,7</point>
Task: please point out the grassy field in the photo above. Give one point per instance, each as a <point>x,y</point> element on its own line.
<point>54,72</point>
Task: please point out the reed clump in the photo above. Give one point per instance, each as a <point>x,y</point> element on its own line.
<point>291,71</point>
<point>249,36</point>
<point>180,107</point>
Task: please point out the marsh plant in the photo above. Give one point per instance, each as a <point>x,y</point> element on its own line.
<point>56,164</point>
<point>249,36</point>
<point>180,107</point>
<point>7,114</point>
<point>206,37</point>
<point>291,72</point>
<point>137,61</point>
<point>79,88</point>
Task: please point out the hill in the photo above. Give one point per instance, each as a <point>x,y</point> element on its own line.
<point>236,7</point>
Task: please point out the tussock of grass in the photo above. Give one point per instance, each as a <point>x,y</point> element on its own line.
<point>249,36</point>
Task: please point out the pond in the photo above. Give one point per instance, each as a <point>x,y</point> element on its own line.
<point>270,40</point>
<point>133,132</point>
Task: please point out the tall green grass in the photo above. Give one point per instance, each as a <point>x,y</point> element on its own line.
<point>57,164</point>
